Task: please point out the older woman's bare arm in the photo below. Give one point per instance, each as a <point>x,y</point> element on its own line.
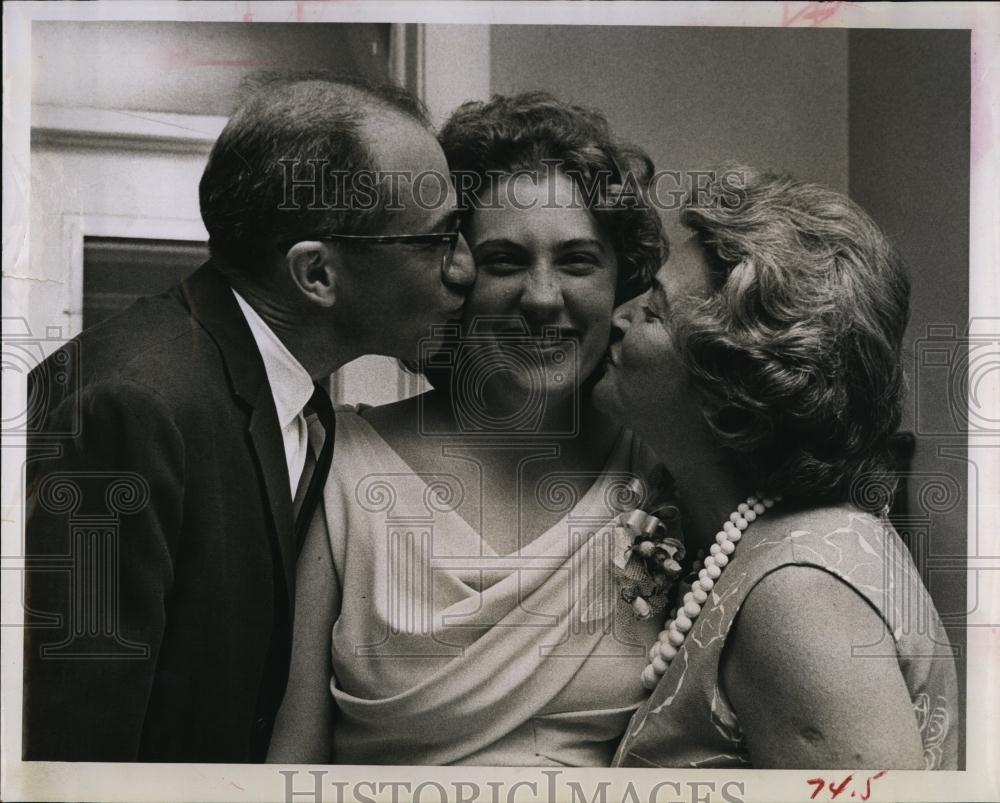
<point>303,732</point>
<point>802,698</point>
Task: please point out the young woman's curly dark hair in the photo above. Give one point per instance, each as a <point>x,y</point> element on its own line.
<point>797,349</point>
<point>533,132</point>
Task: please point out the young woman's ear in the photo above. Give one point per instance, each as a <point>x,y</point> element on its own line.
<point>312,266</point>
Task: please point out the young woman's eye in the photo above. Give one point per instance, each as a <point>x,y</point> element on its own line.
<point>499,263</point>
<point>580,263</point>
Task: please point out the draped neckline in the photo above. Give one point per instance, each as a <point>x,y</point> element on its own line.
<point>541,544</point>
<point>497,673</point>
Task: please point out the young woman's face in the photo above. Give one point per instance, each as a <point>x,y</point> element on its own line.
<point>645,383</point>
<point>544,293</point>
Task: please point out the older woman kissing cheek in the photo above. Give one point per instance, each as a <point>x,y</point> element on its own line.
<point>764,368</point>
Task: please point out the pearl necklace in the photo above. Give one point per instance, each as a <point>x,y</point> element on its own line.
<point>674,634</point>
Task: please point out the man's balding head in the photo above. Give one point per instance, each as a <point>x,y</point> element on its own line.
<point>280,166</point>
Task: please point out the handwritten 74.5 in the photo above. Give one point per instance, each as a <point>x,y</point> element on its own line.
<point>837,789</point>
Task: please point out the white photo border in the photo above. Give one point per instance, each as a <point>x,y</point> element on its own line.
<point>203,782</point>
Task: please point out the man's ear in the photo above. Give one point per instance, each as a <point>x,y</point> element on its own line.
<point>312,266</point>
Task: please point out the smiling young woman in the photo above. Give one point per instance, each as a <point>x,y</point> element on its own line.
<point>501,589</point>
<point>545,271</point>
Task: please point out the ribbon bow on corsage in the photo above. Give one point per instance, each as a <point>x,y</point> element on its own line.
<point>648,556</point>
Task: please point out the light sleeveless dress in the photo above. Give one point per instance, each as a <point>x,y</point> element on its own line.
<point>448,653</point>
<point>688,722</point>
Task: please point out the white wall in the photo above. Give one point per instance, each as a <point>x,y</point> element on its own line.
<point>78,190</point>
<point>455,67</point>
<point>695,97</point>
<point>184,67</point>
<point>123,117</point>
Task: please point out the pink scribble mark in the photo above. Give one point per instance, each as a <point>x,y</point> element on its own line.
<point>299,13</point>
<point>182,57</point>
<point>229,63</point>
<point>814,14</point>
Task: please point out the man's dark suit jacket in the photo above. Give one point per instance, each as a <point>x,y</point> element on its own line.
<point>159,627</point>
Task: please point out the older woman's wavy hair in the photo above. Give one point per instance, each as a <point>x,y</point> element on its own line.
<point>797,349</point>
<point>484,141</point>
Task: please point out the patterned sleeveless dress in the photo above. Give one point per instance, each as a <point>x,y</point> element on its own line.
<point>688,722</point>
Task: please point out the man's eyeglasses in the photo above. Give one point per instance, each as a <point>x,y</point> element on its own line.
<point>446,238</point>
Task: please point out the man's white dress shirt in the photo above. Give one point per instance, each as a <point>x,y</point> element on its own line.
<point>291,387</point>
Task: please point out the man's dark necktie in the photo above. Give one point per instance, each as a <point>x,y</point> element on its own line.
<point>320,404</point>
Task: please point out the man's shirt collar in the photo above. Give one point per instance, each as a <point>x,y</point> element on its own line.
<point>291,385</point>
